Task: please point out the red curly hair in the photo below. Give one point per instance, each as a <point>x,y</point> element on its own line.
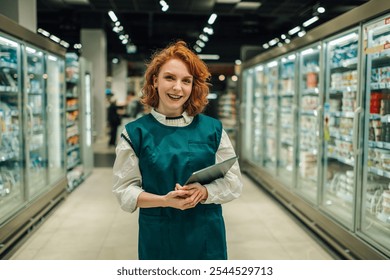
<point>197,101</point>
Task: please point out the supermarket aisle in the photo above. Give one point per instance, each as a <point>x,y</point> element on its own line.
<point>90,225</point>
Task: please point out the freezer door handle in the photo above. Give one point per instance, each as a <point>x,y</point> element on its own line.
<point>356,118</point>
<point>319,113</point>
<point>242,112</point>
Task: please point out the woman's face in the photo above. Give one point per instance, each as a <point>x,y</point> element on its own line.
<point>174,84</point>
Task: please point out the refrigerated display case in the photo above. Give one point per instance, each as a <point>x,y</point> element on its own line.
<point>245,113</point>
<point>55,110</point>
<point>257,116</point>
<point>309,115</point>
<point>340,126</point>
<point>375,211</point>
<point>271,119</point>
<point>287,104</point>
<point>11,149</point>
<point>36,145</point>
<point>32,118</point>
<point>339,186</point>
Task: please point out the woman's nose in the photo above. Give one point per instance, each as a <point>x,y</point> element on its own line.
<point>177,85</point>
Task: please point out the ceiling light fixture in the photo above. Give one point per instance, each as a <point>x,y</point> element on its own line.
<point>197,48</point>
<point>273,41</point>
<point>212,19</point>
<point>64,44</point>
<point>294,30</point>
<point>55,38</point>
<point>164,6</point>
<point>43,32</point>
<point>245,5</point>
<point>310,21</point>
<point>203,36</point>
<point>123,37</point>
<point>208,30</point>
<point>112,16</point>
<point>321,10</point>
<point>302,33</point>
<point>228,1</point>
<point>209,56</point>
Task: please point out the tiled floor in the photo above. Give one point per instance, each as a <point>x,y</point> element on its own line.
<point>90,225</point>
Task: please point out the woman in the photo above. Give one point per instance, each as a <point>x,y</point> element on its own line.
<point>159,151</point>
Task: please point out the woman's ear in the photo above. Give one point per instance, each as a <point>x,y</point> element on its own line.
<point>155,82</point>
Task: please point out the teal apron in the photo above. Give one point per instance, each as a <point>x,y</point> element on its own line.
<point>168,155</point>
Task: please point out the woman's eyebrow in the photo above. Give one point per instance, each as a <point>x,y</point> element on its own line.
<point>170,73</point>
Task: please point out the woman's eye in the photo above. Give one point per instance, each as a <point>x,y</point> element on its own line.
<point>187,81</point>
<point>169,77</point>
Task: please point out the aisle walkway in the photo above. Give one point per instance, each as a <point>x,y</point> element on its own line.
<point>90,225</point>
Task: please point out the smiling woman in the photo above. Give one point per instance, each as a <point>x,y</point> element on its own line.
<point>159,151</point>
<point>195,70</point>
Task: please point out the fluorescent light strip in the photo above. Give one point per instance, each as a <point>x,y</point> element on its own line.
<point>310,21</point>
<point>53,58</point>
<point>55,38</point>
<point>43,32</point>
<point>348,37</point>
<point>64,44</point>
<point>30,50</point>
<point>212,18</point>
<point>294,30</point>
<point>272,64</point>
<point>209,56</point>
<point>308,51</point>
<point>291,57</point>
<point>112,16</point>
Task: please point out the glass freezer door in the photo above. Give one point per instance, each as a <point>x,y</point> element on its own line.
<point>271,116</point>
<point>340,111</point>
<point>36,122</point>
<point>375,213</point>
<point>308,123</point>
<point>55,92</point>
<point>11,155</point>
<point>287,129</point>
<point>246,114</point>
<point>257,127</point>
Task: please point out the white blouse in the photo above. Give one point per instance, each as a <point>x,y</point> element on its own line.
<point>127,176</point>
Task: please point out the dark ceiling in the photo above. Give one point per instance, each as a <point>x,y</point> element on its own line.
<point>150,28</point>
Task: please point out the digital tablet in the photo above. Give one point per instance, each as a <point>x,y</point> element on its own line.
<point>211,173</point>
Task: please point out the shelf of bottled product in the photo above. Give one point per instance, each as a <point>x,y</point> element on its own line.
<point>331,124</point>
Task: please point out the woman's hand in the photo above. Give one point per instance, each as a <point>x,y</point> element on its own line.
<point>181,198</point>
<point>191,194</point>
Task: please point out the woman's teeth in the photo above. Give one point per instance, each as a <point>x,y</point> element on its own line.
<point>176,97</point>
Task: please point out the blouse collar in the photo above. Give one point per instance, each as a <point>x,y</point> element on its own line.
<point>185,120</point>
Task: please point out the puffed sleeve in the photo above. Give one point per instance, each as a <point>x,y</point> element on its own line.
<point>230,187</point>
<point>127,176</point>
